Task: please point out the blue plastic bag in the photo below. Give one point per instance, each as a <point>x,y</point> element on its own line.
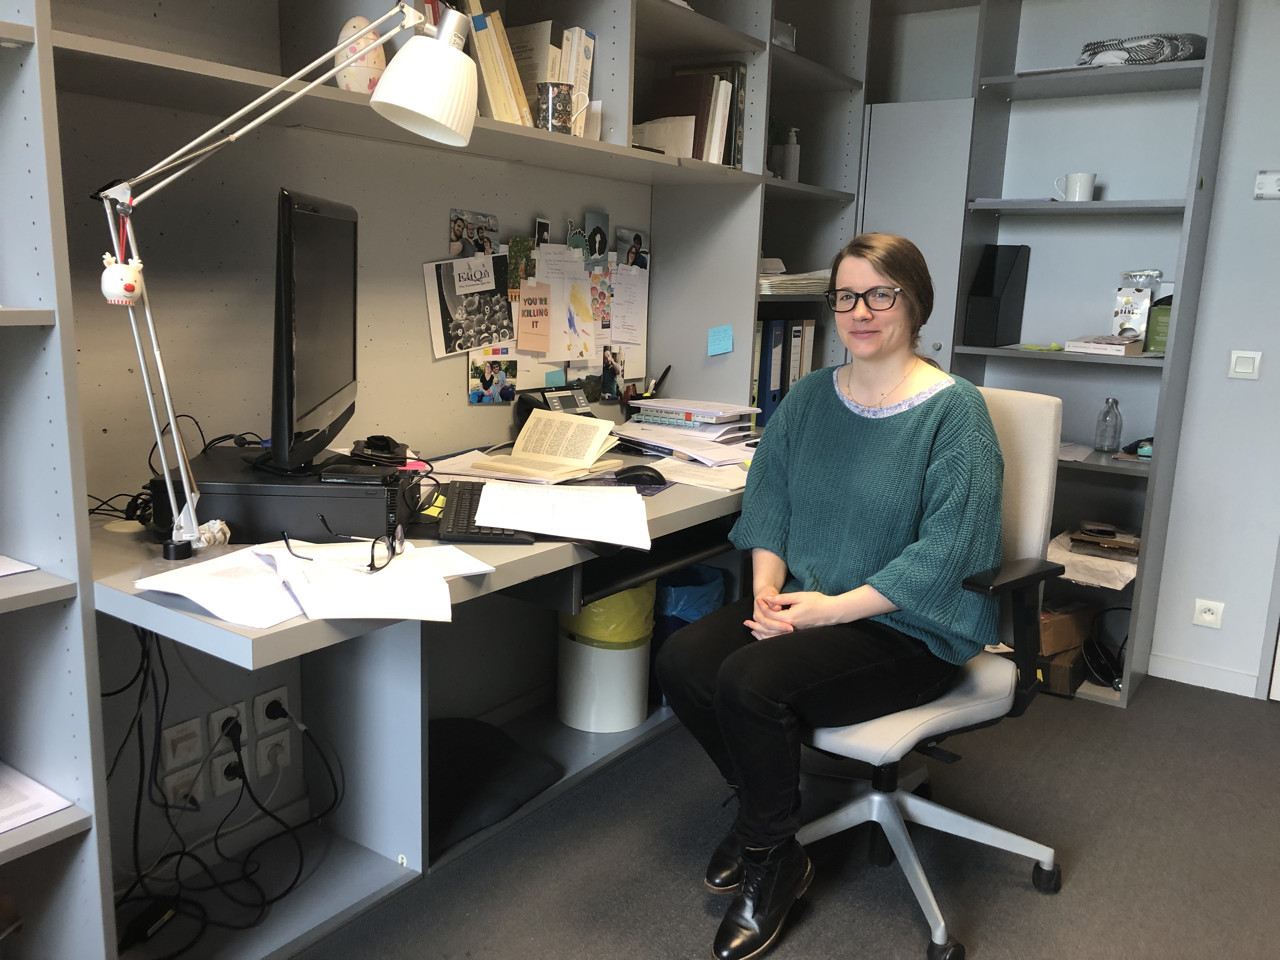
<point>690,594</point>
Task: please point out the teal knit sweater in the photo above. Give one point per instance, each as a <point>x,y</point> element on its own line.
<point>908,503</point>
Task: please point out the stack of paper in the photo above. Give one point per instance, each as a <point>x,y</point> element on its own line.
<point>813,282</point>
<point>711,433</point>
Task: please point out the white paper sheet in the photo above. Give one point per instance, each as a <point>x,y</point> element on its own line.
<point>607,514</point>
<point>8,566</point>
<point>236,587</point>
<point>248,587</point>
<point>410,587</point>
<point>22,800</point>
<point>696,474</point>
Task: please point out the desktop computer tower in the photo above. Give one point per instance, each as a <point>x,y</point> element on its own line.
<point>258,505</point>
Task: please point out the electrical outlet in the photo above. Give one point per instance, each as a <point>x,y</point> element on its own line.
<point>1208,613</point>
<point>185,787</point>
<point>273,754</point>
<point>224,772</point>
<point>181,744</point>
<point>237,710</point>
<point>261,722</point>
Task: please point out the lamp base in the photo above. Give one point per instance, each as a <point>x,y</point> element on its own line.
<point>177,549</point>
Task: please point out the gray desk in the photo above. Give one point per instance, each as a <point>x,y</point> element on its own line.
<point>364,684</point>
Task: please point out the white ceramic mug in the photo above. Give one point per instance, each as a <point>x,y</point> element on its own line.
<point>1075,186</point>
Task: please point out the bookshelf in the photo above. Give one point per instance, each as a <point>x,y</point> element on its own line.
<point>54,867</point>
<point>1030,118</point>
<point>92,94</point>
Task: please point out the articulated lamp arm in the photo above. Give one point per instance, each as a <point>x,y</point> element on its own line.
<point>433,94</point>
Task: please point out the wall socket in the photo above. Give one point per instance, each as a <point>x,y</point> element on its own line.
<point>237,710</point>
<point>219,767</point>
<point>185,788</point>
<point>261,722</point>
<point>274,753</point>
<point>181,744</point>
<point>1208,613</point>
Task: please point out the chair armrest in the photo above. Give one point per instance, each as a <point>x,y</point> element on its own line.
<point>1020,580</point>
<point>1013,574</point>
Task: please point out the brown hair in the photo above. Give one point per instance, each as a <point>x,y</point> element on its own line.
<point>901,261</point>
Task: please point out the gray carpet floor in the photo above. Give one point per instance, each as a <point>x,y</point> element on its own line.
<point>1164,816</point>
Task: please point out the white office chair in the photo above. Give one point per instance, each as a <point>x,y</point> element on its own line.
<point>989,687</point>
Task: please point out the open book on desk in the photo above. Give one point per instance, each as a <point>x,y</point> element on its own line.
<point>553,447</point>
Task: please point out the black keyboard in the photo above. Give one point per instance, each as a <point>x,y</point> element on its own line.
<point>458,519</point>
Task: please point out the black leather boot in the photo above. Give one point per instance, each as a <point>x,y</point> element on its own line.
<point>773,878</point>
<point>724,872</point>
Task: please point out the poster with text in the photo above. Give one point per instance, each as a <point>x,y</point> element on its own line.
<point>467,304</point>
<point>533,317</point>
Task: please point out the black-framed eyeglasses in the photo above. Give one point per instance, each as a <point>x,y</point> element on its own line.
<point>876,298</point>
<point>382,550</point>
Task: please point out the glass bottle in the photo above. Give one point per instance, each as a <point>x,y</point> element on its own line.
<point>1107,437</point>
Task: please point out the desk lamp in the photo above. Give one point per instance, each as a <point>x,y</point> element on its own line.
<point>429,88</point>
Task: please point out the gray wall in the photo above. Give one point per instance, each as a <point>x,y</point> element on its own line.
<point>1226,500</point>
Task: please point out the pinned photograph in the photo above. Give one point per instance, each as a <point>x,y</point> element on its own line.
<point>472,234</point>
<point>612,373</point>
<point>467,304</point>
<point>596,229</point>
<point>633,248</point>
<point>491,375</point>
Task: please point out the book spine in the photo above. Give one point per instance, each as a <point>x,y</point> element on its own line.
<point>583,55</point>
<point>808,346</point>
<point>795,359</point>
<point>1105,349</point>
<point>492,99</point>
<point>738,121</point>
<point>511,76</point>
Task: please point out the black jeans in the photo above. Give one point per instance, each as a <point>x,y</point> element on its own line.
<point>747,700</point>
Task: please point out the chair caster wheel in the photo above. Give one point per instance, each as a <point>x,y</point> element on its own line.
<point>951,950</point>
<point>1047,881</point>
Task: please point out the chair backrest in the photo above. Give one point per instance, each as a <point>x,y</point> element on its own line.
<point>1029,428</point>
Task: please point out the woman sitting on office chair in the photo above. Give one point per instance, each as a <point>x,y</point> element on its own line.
<point>875,490</point>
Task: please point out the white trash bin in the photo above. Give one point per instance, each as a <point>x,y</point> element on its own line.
<point>604,662</point>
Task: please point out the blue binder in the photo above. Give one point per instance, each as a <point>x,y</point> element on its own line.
<point>772,374</point>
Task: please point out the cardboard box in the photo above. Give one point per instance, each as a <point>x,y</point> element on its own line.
<point>1063,626</point>
<point>1062,673</point>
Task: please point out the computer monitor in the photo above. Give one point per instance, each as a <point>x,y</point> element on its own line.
<point>313,385</point>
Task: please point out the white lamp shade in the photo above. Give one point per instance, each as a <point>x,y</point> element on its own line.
<point>429,88</point>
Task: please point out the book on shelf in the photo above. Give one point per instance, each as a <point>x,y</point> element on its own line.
<point>670,135</point>
<point>577,54</point>
<point>800,345</point>
<point>717,125</point>
<point>772,352</point>
<point>754,396</point>
<point>535,47</point>
<point>735,73</point>
<point>1108,345</point>
<point>553,447</point>
<point>687,96</point>
<point>512,86</point>
<point>493,99</point>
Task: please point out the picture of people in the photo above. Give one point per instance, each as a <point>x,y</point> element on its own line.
<point>632,248</point>
<point>541,231</point>
<point>467,304</point>
<point>491,380</point>
<point>612,376</point>
<point>472,234</point>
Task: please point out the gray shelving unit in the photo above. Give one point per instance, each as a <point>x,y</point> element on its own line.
<point>1016,92</point>
<point>52,868</point>
<point>183,67</point>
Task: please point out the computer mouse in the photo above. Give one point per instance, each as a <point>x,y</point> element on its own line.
<point>641,475</point>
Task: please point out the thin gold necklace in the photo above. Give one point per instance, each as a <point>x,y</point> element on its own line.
<point>848,390</point>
